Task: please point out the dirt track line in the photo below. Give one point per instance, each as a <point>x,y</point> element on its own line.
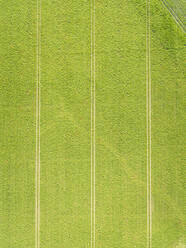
<point>93,126</point>
<point>37,159</point>
<point>174,15</point>
<point>148,121</point>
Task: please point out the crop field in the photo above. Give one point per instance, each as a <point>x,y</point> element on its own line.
<point>92,124</point>
<point>177,9</point>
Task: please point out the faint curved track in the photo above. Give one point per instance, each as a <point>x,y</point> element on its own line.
<point>175,16</point>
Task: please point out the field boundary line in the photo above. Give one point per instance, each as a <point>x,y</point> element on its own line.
<point>93,127</point>
<point>38,106</point>
<point>174,15</point>
<point>94,132</point>
<point>148,123</point>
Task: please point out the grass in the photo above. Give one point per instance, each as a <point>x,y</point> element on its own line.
<point>17,107</point>
<point>178,9</point>
<point>65,134</point>
<point>168,129</point>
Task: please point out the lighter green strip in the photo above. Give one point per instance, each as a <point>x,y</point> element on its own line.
<point>93,128</point>
<point>148,112</point>
<point>38,93</point>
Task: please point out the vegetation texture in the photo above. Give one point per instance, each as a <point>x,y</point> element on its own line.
<point>92,123</point>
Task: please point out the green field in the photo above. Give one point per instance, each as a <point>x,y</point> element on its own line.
<point>92,123</point>
<point>177,8</point>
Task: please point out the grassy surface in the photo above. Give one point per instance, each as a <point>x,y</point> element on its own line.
<point>17,123</point>
<point>178,10</point>
<point>65,121</point>
<point>121,141</point>
<point>121,124</point>
<point>168,129</point>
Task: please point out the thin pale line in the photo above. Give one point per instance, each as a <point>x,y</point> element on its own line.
<point>91,136</point>
<point>148,102</point>
<point>147,123</point>
<point>174,15</point>
<point>37,171</point>
<point>94,136</point>
<point>39,124</point>
<point>150,210</point>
